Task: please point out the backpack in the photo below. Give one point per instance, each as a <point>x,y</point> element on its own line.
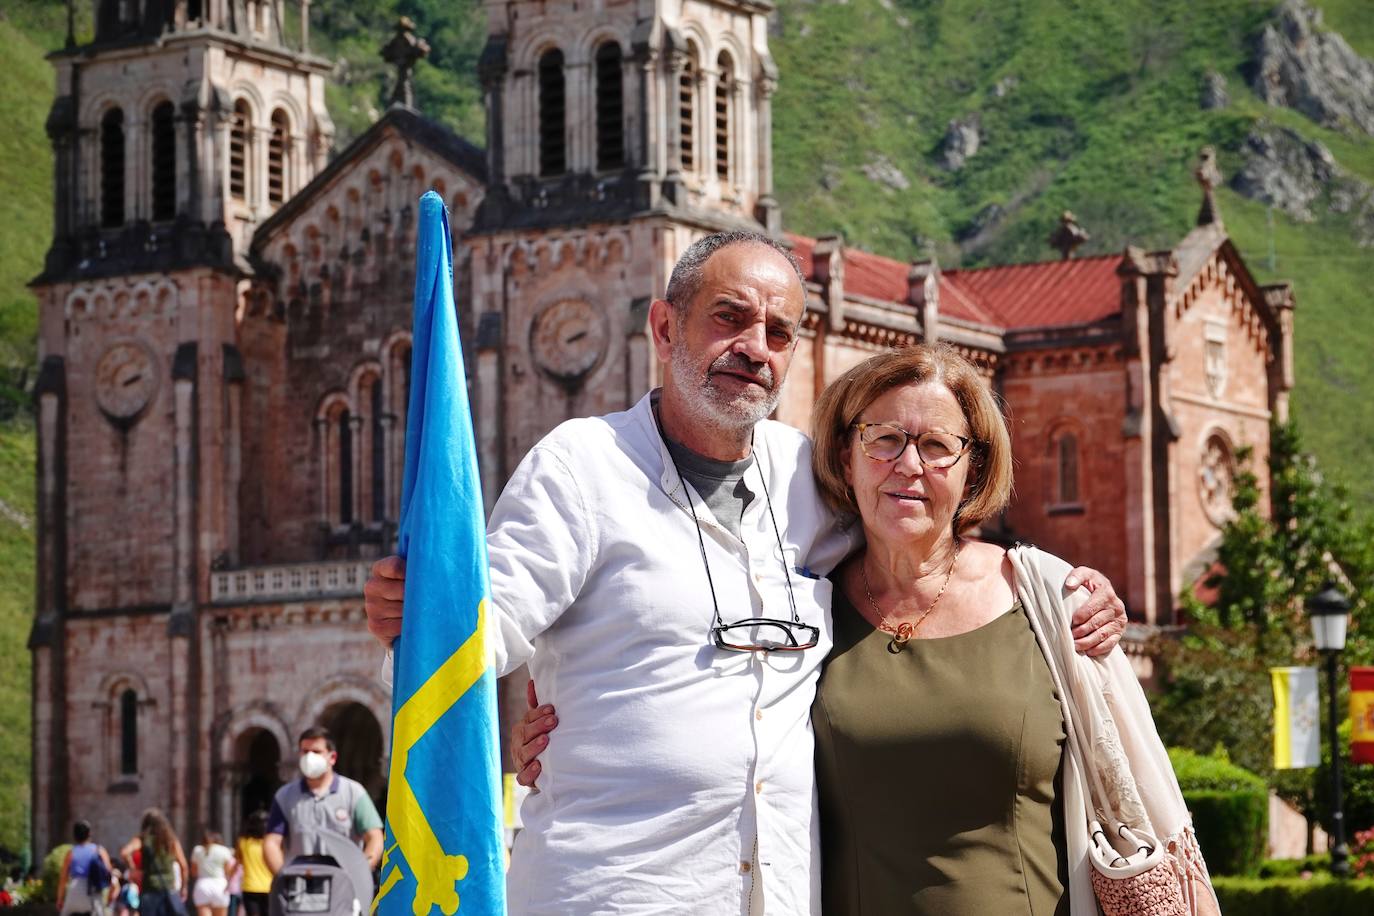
<point>98,877</point>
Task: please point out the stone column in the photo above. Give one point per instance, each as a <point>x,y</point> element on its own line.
<point>183,687</point>
<point>488,426</point>
<point>766,210</point>
<point>1136,433</point>
<point>47,640</point>
<point>637,380</point>
<point>233,450</point>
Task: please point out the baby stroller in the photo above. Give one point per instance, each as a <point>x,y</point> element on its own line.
<point>327,875</point>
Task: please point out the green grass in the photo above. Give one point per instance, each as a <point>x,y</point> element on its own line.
<point>16,615</point>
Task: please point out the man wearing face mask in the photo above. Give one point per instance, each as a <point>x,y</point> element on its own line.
<point>321,800</point>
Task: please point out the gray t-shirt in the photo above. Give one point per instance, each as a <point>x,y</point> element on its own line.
<point>720,483</point>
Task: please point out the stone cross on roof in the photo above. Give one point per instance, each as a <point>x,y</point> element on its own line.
<point>1068,235</point>
<point>403,52</point>
<point>1209,176</point>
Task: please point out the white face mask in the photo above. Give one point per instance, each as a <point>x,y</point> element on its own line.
<point>313,764</point>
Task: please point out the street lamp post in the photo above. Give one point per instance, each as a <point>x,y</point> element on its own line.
<point>1329,610</point>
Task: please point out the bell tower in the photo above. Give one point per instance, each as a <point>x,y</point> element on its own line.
<point>619,131</point>
<point>177,129</point>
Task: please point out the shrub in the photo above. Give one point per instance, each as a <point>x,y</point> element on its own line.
<point>51,873</point>
<point>1230,808</point>
<point>1317,863</point>
<point>1317,896</point>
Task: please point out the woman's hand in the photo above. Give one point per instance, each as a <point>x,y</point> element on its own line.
<point>530,736</point>
<point>1098,624</point>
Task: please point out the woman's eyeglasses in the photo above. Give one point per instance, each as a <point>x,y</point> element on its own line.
<point>885,442</point>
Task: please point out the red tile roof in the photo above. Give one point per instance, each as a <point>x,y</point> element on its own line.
<point>1046,293</point>
<point>1014,296</point>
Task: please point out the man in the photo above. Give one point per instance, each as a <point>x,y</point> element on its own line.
<point>321,800</point>
<point>679,631</point>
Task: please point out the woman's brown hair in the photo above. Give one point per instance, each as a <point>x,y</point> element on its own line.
<point>844,400</point>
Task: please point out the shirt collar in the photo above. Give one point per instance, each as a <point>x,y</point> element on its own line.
<point>333,785</point>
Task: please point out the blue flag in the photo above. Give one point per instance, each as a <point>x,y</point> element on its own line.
<point>444,843</point>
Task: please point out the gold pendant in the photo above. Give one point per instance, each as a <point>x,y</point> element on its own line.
<point>900,638</point>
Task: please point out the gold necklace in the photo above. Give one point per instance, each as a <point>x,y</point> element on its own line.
<point>902,632</point>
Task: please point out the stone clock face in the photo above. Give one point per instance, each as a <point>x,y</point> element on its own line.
<point>125,380</point>
<point>568,339</point>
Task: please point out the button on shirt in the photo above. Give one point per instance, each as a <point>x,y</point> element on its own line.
<point>675,764</point>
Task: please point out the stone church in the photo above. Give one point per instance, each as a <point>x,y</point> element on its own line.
<point>225,333</point>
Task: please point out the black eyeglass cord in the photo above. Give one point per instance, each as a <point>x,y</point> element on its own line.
<point>701,541</point>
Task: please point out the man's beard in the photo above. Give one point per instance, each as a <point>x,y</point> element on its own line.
<point>721,409</point>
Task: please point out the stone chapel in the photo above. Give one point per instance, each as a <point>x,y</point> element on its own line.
<point>224,343</point>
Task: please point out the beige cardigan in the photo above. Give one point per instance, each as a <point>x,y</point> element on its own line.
<point>1104,697</point>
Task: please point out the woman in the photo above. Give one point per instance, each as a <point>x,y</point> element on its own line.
<point>940,738</point>
<point>162,862</point>
<point>74,891</point>
<point>257,879</point>
<point>212,865</point>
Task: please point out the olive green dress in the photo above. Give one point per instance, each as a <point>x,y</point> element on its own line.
<point>938,773</point>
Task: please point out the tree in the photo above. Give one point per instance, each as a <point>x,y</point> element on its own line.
<point>1270,558</point>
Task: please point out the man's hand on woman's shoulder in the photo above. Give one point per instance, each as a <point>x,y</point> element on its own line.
<point>1097,625</point>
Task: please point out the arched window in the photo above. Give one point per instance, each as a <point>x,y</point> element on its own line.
<point>128,733</point>
<point>378,453</point>
<point>112,168</point>
<point>1066,453</point>
<point>164,147</point>
<point>686,110</point>
<point>552,112</point>
<point>238,151</point>
<point>724,88</point>
<point>345,434</point>
<point>277,151</point>
<point>610,109</point>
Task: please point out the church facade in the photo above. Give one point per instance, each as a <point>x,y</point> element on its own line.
<point>225,333</point>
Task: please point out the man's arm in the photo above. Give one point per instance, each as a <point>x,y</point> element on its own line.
<point>271,852</point>
<point>274,838</point>
<point>372,846</point>
<point>541,545</point>
<point>1099,623</point>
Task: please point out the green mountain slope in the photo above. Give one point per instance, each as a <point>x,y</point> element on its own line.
<point>1087,105</point>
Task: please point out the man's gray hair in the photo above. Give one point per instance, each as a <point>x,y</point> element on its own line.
<point>685,282</point>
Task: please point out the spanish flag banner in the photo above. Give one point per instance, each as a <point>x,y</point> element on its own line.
<point>444,851</point>
<point>1362,714</point>
<point>1297,724</point>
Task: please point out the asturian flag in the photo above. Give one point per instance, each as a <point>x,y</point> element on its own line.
<point>1296,719</point>
<point>444,850</point>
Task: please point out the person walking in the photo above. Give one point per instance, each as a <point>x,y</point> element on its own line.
<point>163,864</point>
<point>85,879</point>
<point>212,865</point>
<point>256,876</point>
<point>321,800</point>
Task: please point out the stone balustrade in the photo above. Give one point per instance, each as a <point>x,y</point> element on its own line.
<point>337,579</point>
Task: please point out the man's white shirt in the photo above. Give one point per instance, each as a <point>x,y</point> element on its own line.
<point>672,759</point>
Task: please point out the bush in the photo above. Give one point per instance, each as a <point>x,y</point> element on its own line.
<point>1318,896</point>
<point>1230,808</point>
<point>51,873</point>
<point>1196,772</point>
<point>1317,863</point>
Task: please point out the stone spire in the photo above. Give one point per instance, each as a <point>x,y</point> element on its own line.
<point>403,52</point>
<point>1208,176</point>
<point>1068,235</point>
